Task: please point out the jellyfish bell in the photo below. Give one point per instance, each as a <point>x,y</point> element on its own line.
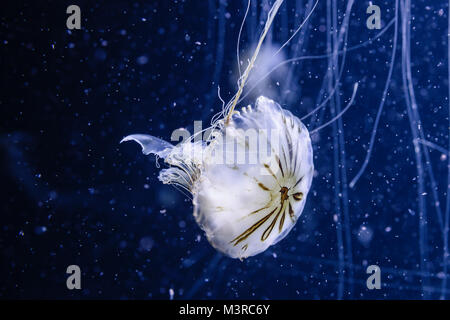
<point>249,180</point>
<point>244,208</point>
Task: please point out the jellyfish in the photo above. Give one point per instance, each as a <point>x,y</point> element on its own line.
<point>249,179</point>
<point>250,175</point>
<point>243,206</point>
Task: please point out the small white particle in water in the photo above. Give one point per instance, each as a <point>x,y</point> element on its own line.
<point>163,211</point>
<point>40,230</point>
<point>146,243</point>
<point>388,229</point>
<point>142,60</point>
<point>171,293</point>
<point>365,235</point>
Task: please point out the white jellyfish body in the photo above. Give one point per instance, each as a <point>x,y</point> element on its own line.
<point>249,181</point>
